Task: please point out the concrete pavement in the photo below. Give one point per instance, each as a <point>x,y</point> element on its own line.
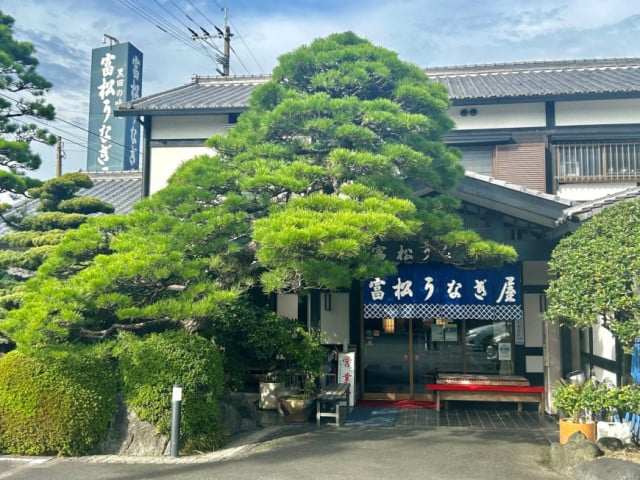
<point>281,451</point>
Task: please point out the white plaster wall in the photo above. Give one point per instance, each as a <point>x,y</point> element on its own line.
<point>534,363</point>
<point>287,305</point>
<point>188,127</point>
<point>604,375</point>
<point>519,115</point>
<point>586,192</point>
<point>604,344</point>
<point>532,320</point>
<point>165,161</point>
<point>334,323</point>
<point>598,112</point>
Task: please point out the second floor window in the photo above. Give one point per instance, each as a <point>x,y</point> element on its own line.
<point>583,162</point>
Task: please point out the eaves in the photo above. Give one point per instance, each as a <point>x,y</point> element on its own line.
<point>177,112</point>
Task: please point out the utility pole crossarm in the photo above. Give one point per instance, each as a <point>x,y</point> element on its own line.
<point>226,36</point>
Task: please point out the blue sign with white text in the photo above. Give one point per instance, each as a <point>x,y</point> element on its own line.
<point>441,290</point>
<point>116,77</point>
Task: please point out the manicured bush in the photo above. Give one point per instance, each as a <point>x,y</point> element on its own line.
<point>255,337</point>
<point>55,402</point>
<point>151,365</point>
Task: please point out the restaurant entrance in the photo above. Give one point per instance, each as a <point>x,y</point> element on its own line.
<point>401,356</point>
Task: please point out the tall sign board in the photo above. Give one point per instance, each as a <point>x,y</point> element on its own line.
<point>116,77</point>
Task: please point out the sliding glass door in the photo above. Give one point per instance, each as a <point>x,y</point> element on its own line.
<point>401,356</point>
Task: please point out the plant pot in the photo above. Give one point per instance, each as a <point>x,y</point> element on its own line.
<point>295,408</point>
<point>285,392</point>
<point>568,427</point>
<point>268,395</point>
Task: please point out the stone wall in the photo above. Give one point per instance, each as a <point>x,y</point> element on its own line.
<point>129,435</point>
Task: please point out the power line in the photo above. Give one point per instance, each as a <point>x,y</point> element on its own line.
<point>262,70</point>
<point>237,32</point>
<point>152,17</point>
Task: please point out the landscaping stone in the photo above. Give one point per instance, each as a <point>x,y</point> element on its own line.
<point>129,435</point>
<point>564,458</point>
<point>607,469</point>
<point>610,444</point>
<point>238,413</point>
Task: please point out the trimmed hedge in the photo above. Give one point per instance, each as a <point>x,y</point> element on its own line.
<point>55,403</point>
<point>151,365</point>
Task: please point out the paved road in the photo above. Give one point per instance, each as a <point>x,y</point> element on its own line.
<point>308,453</point>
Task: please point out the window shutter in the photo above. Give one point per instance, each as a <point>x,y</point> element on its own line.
<point>522,164</point>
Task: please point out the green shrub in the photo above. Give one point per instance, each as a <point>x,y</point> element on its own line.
<point>55,402</point>
<point>233,330</point>
<point>150,366</point>
<point>255,337</point>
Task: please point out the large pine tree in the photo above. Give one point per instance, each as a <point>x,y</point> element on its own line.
<point>22,91</point>
<point>323,166</point>
<point>35,236</point>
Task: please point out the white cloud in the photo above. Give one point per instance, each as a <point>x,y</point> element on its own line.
<point>425,32</point>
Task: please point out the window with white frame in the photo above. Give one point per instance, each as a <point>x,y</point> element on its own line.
<point>605,161</point>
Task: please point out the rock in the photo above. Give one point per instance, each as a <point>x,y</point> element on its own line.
<point>238,413</point>
<point>565,457</point>
<point>621,430</point>
<point>129,435</point>
<point>607,469</point>
<point>610,444</point>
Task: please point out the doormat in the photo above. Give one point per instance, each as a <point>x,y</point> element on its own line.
<point>397,403</point>
<point>372,417</point>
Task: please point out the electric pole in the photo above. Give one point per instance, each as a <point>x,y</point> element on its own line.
<point>226,36</point>
<point>59,156</point>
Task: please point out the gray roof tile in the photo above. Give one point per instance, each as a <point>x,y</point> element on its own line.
<point>585,211</point>
<point>465,83</point>
<point>540,79</point>
<point>120,189</point>
<point>201,95</point>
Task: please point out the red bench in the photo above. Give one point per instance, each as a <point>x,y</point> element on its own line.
<point>487,393</point>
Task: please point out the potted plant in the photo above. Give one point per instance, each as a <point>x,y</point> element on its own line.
<point>305,359</point>
<point>578,401</point>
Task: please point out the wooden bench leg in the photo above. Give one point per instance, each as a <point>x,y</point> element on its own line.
<point>437,400</point>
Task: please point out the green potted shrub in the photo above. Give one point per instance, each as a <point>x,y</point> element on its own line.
<point>619,400</point>
<point>305,358</point>
<point>578,402</point>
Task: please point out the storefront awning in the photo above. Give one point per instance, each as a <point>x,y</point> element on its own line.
<point>425,290</point>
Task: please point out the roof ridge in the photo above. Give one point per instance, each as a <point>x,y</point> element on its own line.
<point>547,65</point>
<point>537,70</point>
<point>235,79</point>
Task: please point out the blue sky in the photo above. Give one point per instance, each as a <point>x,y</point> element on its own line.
<point>424,32</point>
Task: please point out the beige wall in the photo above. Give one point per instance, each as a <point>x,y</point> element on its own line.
<point>188,127</point>
<point>165,161</point>
<point>598,112</point>
<point>519,115</point>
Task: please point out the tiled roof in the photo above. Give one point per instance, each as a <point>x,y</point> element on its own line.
<point>201,95</point>
<point>512,199</point>
<point>619,76</point>
<point>538,79</point>
<point>587,210</point>
<point>120,189</point>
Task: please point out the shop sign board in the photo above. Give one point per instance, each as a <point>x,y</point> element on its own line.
<point>347,373</point>
<point>432,290</point>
